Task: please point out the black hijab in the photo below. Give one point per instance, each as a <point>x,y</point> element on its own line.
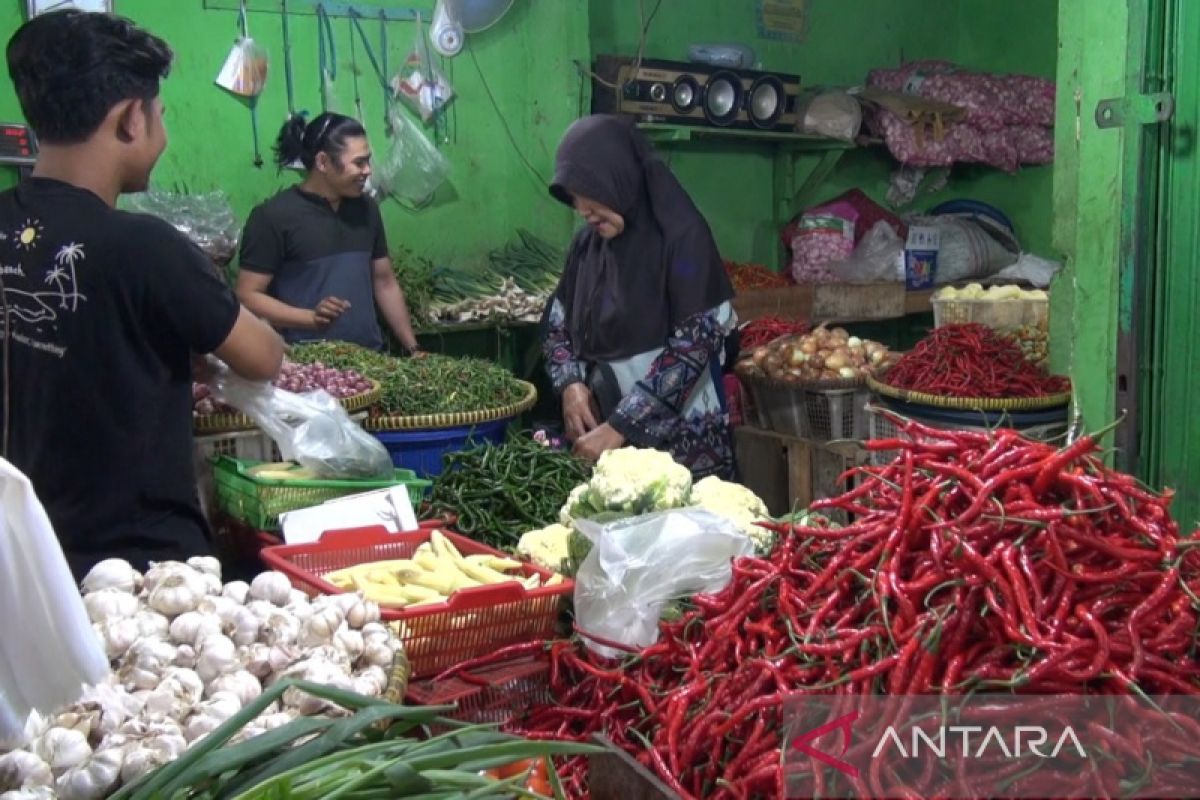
<point>625,295</point>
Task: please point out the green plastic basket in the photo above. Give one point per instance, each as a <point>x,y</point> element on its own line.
<point>259,501</point>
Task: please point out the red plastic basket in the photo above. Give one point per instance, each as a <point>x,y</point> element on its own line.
<point>493,694</point>
<point>471,623</point>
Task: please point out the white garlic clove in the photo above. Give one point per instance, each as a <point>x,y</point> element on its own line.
<point>206,564</point>
<point>21,769</point>
<point>272,586</point>
<point>112,573</point>
<point>191,627</point>
<point>237,591</point>
<point>62,748</point>
<point>185,656</point>
<point>152,624</point>
<point>92,780</point>
<point>109,604</point>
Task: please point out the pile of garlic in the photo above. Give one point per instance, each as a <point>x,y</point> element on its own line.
<point>187,653</point>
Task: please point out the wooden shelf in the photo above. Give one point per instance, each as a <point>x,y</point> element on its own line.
<point>664,134</point>
<point>833,302</point>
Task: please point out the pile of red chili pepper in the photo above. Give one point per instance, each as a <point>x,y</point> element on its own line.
<point>974,561</point>
<point>754,276</point>
<point>972,360</point>
<point>760,331</point>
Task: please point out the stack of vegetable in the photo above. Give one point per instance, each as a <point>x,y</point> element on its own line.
<point>381,750</point>
<point>972,361</point>
<point>513,284</point>
<point>823,355</point>
<point>189,653</point>
<point>976,560</point>
<point>631,481</point>
<point>754,276</point>
<point>433,384</point>
<point>293,377</point>
<point>499,491</point>
<point>436,571</point>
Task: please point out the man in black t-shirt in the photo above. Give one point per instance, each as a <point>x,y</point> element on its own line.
<point>104,310</point>
<point>314,258</point>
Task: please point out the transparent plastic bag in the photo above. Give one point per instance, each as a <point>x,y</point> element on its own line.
<point>412,169</point>
<point>311,428</point>
<point>878,257</point>
<point>638,564</point>
<point>245,70</point>
<point>419,83</point>
<point>207,219</point>
<point>50,650</point>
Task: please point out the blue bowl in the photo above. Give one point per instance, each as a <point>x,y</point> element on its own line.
<point>422,450</point>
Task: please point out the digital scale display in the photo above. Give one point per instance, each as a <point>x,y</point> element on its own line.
<point>17,144</point>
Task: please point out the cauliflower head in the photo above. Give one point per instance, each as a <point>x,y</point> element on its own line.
<point>738,504</point>
<point>547,547</point>
<point>629,481</point>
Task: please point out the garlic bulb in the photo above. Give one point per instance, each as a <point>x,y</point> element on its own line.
<point>218,605</point>
<point>377,654</point>
<point>108,706</point>
<point>109,604</point>
<point>185,656</point>
<point>371,682</point>
<point>272,586</point>
<point>118,636</point>
<point>255,659</point>
<point>209,715</point>
<point>206,565</point>
<point>318,671</point>
<point>281,628</point>
<point>362,612</point>
<point>243,627</point>
<point>175,594</point>
<point>152,624</point>
<point>30,793</point>
<point>297,598</point>
<point>261,608</point>
<point>20,769</point>
<point>151,753</point>
<point>92,780</point>
<point>62,748</point>
<point>237,591</point>
<point>239,683</point>
<point>282,656</point>
<point>184,684</point>
<point>350,642</point>
<point>376,631</point>
<point>112,573</point>
<point>319,628</point>
<point>163,569</point>
<point>193,627</point>
<point>218,655</point>
<point>145,663</point>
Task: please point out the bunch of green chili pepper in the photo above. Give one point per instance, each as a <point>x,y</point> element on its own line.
<point>500,491</point>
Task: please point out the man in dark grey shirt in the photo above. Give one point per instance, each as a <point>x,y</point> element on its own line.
<point>314,258</point>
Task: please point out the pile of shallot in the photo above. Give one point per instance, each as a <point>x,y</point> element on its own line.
<point>187,653</point>
<point>822,355</point>
<point>297,378</point>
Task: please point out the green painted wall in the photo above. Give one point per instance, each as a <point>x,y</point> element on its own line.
<point>845,40</point>
<point>526,61</point>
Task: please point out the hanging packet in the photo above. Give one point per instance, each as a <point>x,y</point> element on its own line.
<point>245,70</point>
<point>419,83</point>
<point>412,168</point>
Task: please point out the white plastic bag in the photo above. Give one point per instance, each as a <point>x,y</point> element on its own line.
<point>50,650</point>
<point>972,247</point>
<point>412,169</point>
<point>312,428</point>
<point>636,565</point>
<point>419,83</point>
<point>879,257</point>
<point>245,70</point>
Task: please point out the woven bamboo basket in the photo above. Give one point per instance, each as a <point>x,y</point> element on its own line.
<point>970,403</point>
<point>453,420</point>
<point>228,423</point>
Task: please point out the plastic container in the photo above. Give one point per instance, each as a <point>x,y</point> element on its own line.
<point>260,501</point>
<point>1003,316</point>
<point>471,623</point>
<point>421,450</point>
<point>493,694</point>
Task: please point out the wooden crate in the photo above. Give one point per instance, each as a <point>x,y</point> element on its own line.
<point>790,473</point>
<point>832,302</point>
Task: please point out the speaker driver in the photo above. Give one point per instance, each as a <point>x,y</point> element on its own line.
<point>658,92</point>
<point>684,94</point>
<point>766,101</point>
<point>722,98</point>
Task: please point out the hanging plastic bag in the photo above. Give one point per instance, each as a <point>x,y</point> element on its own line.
<point>245,69</point>
<point>311,428</point>
<point>206,219</point>
<point>638,564</point>
<point>419,83</point>
<point>50,650</point>
<point>412,169</point>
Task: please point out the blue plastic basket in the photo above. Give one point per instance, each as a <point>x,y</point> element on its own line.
<point>422,450</point>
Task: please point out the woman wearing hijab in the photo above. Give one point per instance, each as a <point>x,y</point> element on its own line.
<point>636,327</point>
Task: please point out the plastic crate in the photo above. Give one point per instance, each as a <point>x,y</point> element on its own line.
<point>254,445</point>
<point>421,450</point>
<point>493,694</point>
<point>881,427</point>
<point>835,414</point>
<point>260,501</point>
<point>471,623</point>
<point>1005,316</point>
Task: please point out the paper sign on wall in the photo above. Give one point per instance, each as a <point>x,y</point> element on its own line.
<point>783,20</point>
